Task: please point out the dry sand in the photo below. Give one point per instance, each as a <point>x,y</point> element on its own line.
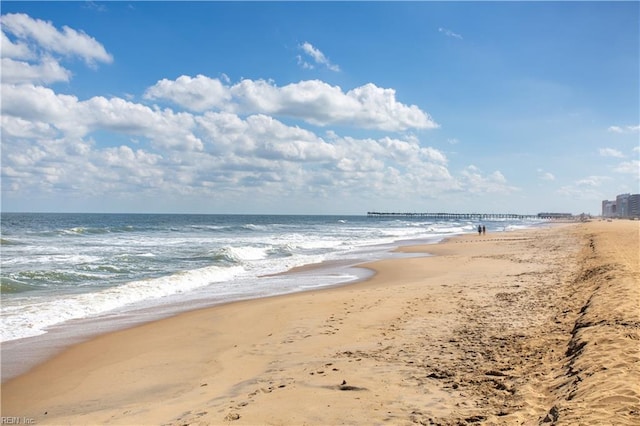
<point>532,327</point>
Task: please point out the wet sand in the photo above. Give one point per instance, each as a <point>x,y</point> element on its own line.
<point>531,327</point>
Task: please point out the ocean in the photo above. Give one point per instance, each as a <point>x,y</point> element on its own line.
<point>111,270</point>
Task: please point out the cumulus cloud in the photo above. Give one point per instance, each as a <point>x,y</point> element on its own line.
<point>543,175</point>
<point>592,181</point>
<point>17,50</point>
<point>260,136</point>
<point>236,154</point>
<point>449,33</point>
<point>67,42</point>
<point>317,56</point>
<point>476,182</point>
<point>224,139</point>
<point>199,93</point>
<point>191,153</point>
<point>313,101</point>
<point>73,118</point>
<point>46,71</point>
<point>31,50</point>
<point>587,188</point>
<point>610,152</point>
<point>629,167</point>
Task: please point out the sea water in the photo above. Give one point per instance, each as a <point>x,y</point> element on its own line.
<point>59,269</point>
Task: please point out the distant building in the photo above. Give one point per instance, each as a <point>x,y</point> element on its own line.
<point>608,208</point>
<point>625,205</point>
<point>634,205</point>
<point>555,215</point>
<point>622,205</point>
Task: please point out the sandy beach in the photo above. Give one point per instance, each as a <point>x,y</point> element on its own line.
<point>531,327</point>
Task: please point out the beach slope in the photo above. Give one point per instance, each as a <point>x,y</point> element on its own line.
<point>531,327</point>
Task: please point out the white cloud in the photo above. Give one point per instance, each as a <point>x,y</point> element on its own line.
<point>46,71</point>
<point>33,56</point>
<point>36,103</point>
<point>317,56</point>
<point>304,64</point>
<point>25,129</point>
<point>625,129</point>
<point>17,50</point>
<point>227,143</point>
<point>585,189</point>
<point>610,152</point>
<point>476,182</point>
<point>449,33</point>
<point>213,154</point>
<point>67,42</point>
<point>592,181</point>
<point>262,137</point>
<point>545,175</point>
<point>75,119</point>
<point>199,94</point>
<point>98,7</point>
<point>629,167</point>
<point>313,101</point>
<point>163,127</point>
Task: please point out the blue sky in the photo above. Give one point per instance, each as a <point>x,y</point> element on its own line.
<point>320,108</point>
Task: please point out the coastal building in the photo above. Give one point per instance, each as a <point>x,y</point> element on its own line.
<point>622,205</point>
<point>634,205</point>
<point>625,205</point>
<point>608,208</point>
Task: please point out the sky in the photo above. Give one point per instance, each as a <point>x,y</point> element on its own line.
<point>319,107</point>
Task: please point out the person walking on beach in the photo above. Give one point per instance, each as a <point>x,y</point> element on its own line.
<point>479,230</point>
<point>484,230</point>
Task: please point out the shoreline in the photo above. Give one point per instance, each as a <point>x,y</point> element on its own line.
<point>485,329</point>
<point>62,336</point>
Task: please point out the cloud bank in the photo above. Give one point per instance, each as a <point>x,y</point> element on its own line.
<point>208,138</point>
<point>313,101</point>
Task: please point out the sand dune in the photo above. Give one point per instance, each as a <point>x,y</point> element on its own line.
<point>532,327</point>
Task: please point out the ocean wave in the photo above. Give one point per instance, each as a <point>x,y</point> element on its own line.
<point>8,242</point>
<point>13,286</point>
<point>243,254</point>
<point>281,250</point>
<point>48,278</point>
<point>52,259</point>
<point>145,255</point>
<point>253,227</point>
<point>83,230</point>
<point>21,321</point>
<point>112,269</point>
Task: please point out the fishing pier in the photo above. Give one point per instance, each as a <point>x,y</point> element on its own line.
<point>472,216</point>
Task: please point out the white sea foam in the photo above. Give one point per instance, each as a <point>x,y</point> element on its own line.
<point>26,317</point>
<point>247,253</point>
